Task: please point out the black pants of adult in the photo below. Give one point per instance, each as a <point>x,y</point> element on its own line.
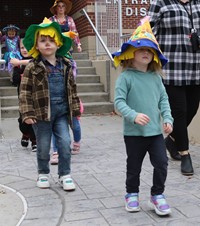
<point>136,149</point>
<point>184,103</point>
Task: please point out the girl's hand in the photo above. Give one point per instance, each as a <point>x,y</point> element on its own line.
<point>79,48</point>
<point>15,62</point>
<point>167,127</point>
<point>30,121</point>
<point>142,119</point>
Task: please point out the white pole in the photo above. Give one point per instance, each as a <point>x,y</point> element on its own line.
<point>120,21</point>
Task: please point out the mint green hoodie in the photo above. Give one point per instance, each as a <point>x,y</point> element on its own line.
<point>142,92</point>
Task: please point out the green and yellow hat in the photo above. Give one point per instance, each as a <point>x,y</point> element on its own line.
<point>47,28</point>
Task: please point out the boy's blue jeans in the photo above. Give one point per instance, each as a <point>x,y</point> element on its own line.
<point>43,130</point>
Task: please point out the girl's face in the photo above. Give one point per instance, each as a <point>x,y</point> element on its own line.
<point>46,46</point>
<point>143,56</point>
<point>23,50</point>
<point>61,8</point>
<point>11,33</point>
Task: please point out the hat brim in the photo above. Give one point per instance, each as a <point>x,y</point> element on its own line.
<point>142,43</point>
<point>5,29</point>
<point>29,39</point>
<point>68,4</point>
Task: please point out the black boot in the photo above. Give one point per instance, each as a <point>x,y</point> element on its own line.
<point>186,165</point>
<point>171,147</point>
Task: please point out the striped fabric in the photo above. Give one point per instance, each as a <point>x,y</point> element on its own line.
<point>172,27</point>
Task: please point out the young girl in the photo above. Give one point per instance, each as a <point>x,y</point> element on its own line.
<point>141,99</point>
<point>12,41</point>
<point>18,69</point>
<point>48,98</point>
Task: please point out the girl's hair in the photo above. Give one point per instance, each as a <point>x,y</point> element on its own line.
<point>153,66</point>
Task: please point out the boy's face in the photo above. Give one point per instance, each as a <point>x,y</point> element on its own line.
<point>11,33</point>
<point>143,56</point>
<point>46,46</point>
<point>23,50</point>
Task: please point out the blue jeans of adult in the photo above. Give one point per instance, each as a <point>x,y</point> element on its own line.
<point>60,128</point>
<point>136,148</point>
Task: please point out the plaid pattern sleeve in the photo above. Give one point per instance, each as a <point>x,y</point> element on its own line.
<point>72,27</point>
<point>172,28</point>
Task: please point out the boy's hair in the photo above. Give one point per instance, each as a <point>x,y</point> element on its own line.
<point>153,66</point>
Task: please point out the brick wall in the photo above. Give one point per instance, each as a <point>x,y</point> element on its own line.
<point>14,12</point>
<point>82,24</point>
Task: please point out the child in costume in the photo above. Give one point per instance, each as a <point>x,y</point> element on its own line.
<point>18,69</point>
<point>48,98</point>
<point>12,42</point>
<point>76,128</point>
<point>141,99</point>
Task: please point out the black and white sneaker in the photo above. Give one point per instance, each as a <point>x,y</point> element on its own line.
<point>34,148</point>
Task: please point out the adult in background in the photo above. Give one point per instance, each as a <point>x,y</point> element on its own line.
<point>60,9</point>
<point>175,23</point>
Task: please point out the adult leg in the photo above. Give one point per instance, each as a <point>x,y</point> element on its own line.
<point>179,106</point>
<point>192,98</point>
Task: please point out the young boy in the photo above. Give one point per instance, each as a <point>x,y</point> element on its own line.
<point>48,98</point>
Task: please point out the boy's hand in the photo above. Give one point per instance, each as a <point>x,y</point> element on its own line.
<point>142,119</point>
<point>30,121</point>
<point>167,128</point>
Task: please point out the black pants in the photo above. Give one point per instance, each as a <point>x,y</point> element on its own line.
<point>184,103</point>
<point>27,130</point>
<point>136,148</point>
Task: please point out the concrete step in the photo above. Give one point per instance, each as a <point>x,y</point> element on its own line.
<point>9,101</point>
<point>81,78</point>
<point>89,97</point>
<point>8,91</point>
<point>87,78</point>
<point>83,63</point>
<point>4,73</point>
<point>86,70</point>
<point>89,108</point>
<point>5,81</point>
<point>80,56</point>
<point>81,87</point>
<point>90,87</point>
<point>98,108</point>
<point>10,112</point>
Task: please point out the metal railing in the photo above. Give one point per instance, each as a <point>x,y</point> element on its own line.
<point>97,34</point>
<point>2,61</point>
